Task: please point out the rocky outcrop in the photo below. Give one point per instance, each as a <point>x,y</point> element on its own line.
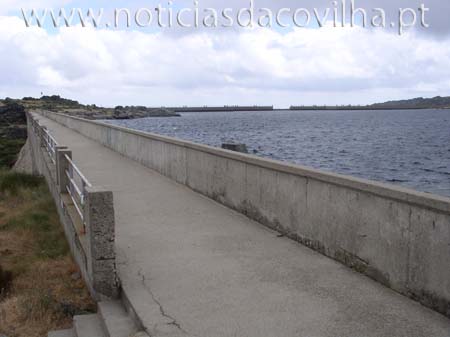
<point>133,112</point>
<point>12,113</point>
<point>13,131</point>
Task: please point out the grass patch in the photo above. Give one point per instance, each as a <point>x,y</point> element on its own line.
<point>44,288</point>
<point>37,214</point>
<point>11,182</point>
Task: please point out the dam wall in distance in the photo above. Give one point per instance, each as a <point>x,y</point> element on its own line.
<point>396,236</point>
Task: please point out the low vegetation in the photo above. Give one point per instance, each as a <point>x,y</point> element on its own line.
<point>9,149</point>
<point>437,102</point>
<point>62,105</point>
<point>40,286</point>
<point>13,132</point>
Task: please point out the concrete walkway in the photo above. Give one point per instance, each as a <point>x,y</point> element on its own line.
<point>191,267</point>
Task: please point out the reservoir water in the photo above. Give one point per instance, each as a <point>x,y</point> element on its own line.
<point>405,147</point>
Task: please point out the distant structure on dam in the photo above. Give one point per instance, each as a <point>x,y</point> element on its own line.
<point>221,108</point>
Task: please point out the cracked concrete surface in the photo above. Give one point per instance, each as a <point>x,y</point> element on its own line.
<point>161,309</point>
<point>191,267</point>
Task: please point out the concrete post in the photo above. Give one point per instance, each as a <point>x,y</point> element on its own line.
<point>62,165</point>
<point>100,223</point>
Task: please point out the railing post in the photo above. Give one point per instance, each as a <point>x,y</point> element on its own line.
<point>100,232</point>
<point>62,165</point>
<point>42,136</point>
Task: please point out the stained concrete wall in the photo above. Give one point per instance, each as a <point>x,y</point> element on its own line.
<point>396,236</point>
<point>42,165</point>
<point>94,250</point>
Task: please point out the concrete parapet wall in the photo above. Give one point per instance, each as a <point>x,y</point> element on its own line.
<point>92,247</point>
<point>396,236</point>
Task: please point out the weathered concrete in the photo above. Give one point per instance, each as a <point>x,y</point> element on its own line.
<point>396,236</point>
<point>100,232</point>
<point>62,333</point>
<point>91,239</point>
<point>88,326</point>
<point>42,165</point>
<point>62,165</point>
<point>24,160</point>
<point>115,320</point>
<point>191,267</point>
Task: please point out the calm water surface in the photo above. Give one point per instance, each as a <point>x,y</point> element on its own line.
<point>409,148</point>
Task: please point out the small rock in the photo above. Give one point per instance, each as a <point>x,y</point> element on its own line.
<point>235,147</point>
<point>75,276</point>
<point>5,252</point>
<point>6,278</point>
<point>68,309</point>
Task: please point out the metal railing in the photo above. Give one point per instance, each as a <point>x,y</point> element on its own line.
<point>50,144</point>
<point>36,126</point>
<point>76,181</point>
<point>74,196</point>
<point>76,186</point>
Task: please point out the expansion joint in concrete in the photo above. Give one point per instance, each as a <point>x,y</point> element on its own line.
<point>408,247</point>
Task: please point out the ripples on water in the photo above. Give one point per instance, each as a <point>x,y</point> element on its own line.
<point>409,148</point>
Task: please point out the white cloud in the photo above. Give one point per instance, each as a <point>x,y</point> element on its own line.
<point>253,67</point>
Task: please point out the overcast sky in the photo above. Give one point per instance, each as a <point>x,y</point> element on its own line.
<point>225,66</point>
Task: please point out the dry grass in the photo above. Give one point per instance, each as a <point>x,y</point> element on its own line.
<point>46,289</point>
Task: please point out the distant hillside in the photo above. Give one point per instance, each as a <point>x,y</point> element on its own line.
<point>58,104</point>
<point>13,130</point>
<point>415,103</point>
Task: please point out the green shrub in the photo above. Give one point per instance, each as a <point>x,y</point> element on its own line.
<point>9,150</point>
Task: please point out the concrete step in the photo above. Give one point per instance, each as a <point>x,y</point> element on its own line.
<point>88,326</point>
<point>116,321</point>
<point>62,333</point>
